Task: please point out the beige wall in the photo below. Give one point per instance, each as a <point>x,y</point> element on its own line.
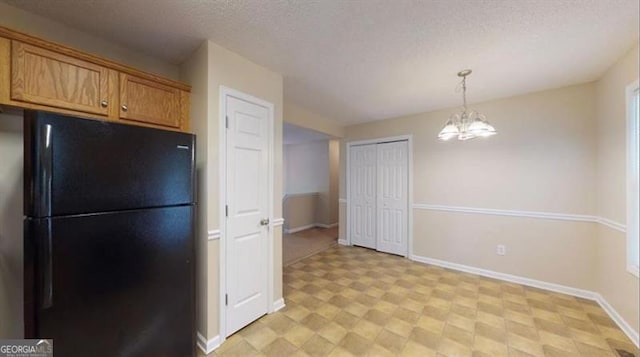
<point>225,68</point>
<point>195,71</point>
<point>11,263</point>
<point>322,208</point>
<point>300,210</point>
<point>20,20</point>
<point>543,159</point>
<point>311,168</point>
<point>327,211</point>
<point>306,167</point>
<point>304,118</point>
<point>334,181</point>
<point>611,139</point>
<point>561,252</point>
<point>342,219</point>
<point>613,281</point>
<point>619,287</point>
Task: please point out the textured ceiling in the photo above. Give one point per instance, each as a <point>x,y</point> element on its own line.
<point>366,60</point>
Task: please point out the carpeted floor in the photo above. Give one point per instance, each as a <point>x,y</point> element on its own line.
<point>305,243</point>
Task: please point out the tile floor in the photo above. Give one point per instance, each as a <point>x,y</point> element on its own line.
<point>352,301</point>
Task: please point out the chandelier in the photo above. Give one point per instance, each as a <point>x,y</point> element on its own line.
<point>466,124</point>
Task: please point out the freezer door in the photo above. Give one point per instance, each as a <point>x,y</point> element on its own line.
<point>75,166</point>
<point>113,284</point>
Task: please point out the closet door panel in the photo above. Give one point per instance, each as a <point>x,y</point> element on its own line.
<point>363,192</point>
<point>391,198</point>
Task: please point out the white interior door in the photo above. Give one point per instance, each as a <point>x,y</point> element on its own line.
<point>392,197</point>
<point>362,162</point>
<point>246,273</point>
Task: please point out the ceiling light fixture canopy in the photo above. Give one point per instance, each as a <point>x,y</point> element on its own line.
<point>466,124</point>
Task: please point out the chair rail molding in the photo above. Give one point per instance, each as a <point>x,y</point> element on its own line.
<point>526,214</point>
<point>213,234</point>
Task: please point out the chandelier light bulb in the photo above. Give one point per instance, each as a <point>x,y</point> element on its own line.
<point>449,131</point>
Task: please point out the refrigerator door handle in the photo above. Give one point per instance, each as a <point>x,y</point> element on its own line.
<point>45,156</point>
<point>47,268</point>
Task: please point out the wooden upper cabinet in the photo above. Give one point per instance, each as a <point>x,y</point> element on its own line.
<point>150,102</point>
<point>44,77</point>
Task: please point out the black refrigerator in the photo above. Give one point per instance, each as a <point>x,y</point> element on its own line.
<point>109,237</point>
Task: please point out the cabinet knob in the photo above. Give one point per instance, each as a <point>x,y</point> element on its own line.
<point>104,103</point>
<point>124,108</point>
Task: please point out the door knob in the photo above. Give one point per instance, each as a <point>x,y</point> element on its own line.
<point>264,222</point>
<point>104,103</point>
<point>124,108</point>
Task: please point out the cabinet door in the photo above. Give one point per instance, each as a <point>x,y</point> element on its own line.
<point>52,79</point>
<point>149,102</point>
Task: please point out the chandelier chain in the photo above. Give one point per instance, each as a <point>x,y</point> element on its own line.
<point>464,93</point>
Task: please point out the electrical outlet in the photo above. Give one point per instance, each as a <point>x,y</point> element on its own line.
<point>501,249</point>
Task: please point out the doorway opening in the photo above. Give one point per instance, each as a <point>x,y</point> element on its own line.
<point>310,192</point>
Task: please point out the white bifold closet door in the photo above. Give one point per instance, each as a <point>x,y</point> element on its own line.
<point>379,196</point>
<point>363,161</point>
<point>391,203</point>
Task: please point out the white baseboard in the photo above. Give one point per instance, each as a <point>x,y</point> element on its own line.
<point>624,326</point>
<point>308,226</point>
<point>298,229</point>
<point>507,277</point>
<point>207,346</point>
<point>322,225</point>
<point>278,304</point>
<point>343,242</point>
<point>586,294</point>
